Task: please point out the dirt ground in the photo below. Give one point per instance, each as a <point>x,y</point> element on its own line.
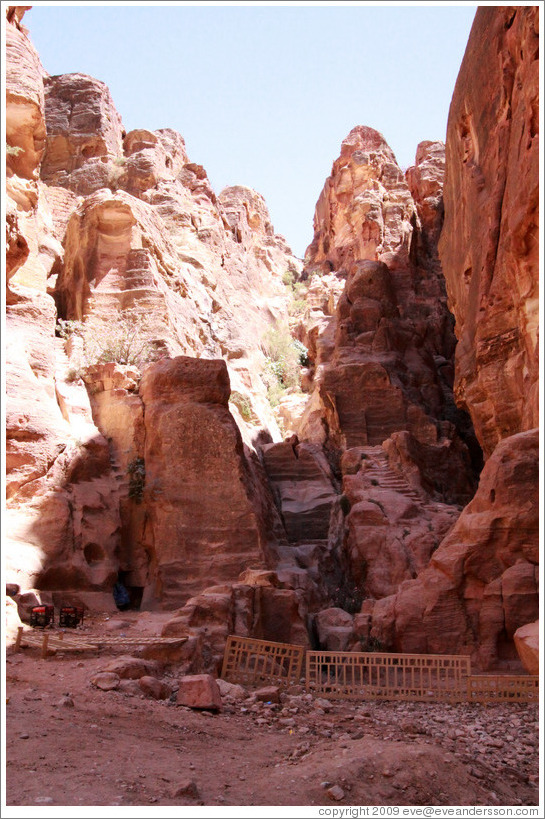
<point>69,743</point>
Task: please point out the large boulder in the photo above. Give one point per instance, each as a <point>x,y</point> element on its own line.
<point>527,645</point>
<point>199,691</point>
<point>191,437</point>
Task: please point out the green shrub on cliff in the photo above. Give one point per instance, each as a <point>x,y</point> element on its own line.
<point>242,402</point>
<point>124,340</point>
<point>284,357</point>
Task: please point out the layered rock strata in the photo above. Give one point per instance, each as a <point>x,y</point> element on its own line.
<point>481,585</point>
<point>489,245</point>
<point>381,346</point>
<point>106,228</point>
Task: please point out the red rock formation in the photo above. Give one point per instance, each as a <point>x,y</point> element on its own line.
<point>84,134</point>
<point>265,609</point>
<point>142,234</point>
<point>527,645</point>
<point>425,180</point>
<point>383,372</point>
<point>161,243</point>
<point>31,247</point>
<point>481,585</point>
<point>202,525</point>
<point>393,528</point>
<point>25,126</point>
<point>489,244</point>
<point>381,363</point>
<point>365,210</point>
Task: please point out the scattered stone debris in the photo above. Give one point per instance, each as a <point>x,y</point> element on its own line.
<point>299,750</point>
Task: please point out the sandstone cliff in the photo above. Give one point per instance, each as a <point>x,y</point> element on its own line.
<point>380,372</point>
<point>121,237</point>
<point>481,585</point>
<point>158,333</point>
<point>489,245</point>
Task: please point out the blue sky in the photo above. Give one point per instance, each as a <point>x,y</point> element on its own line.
<point>265,94</point>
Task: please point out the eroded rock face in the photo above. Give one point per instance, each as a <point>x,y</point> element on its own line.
<point>393,528</point>
<point>481,584</point>
<point>149,236</point>
<point>381,363</point>
<point>32,246</point>
<point>425,180</point>
<point>123,224</point>
<point>527,645</point>
<point>365,210</point>
<point>84,133</point>
<point>489,244</point>
<point>25,125</point>
<point>202,524</point>
<point>265,610</point>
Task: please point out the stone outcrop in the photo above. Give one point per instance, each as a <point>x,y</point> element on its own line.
<point>106,228</point>
<point>365,210</point>
<point>61,512</point>
<point>392,528</point>
<point>386,366</point>
<point>489,244</point>
<point>25,124</point>
<point>482,582</point>
<point>202,525</point>
<point>142,440</point>
<point>84,133</point>
<point>481,585</point>
<point>527,645</point>
<point>266,609</point>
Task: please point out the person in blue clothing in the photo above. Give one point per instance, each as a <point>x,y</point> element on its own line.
<point>121,595</point>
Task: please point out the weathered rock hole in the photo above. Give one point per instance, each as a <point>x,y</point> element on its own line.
<point>93,553</point>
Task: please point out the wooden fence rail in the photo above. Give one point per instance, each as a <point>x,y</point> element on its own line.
<point>52,641</point>
<point>250,661</point>
<point>414,677</point>
<point>502,688</point>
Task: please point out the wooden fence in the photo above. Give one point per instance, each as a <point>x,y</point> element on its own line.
<point>52,641</point>
<point>249,661</point>
<point>414,677</point>
<point>370,675</point>
<point>331,674</point>
<point>502,688</point>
